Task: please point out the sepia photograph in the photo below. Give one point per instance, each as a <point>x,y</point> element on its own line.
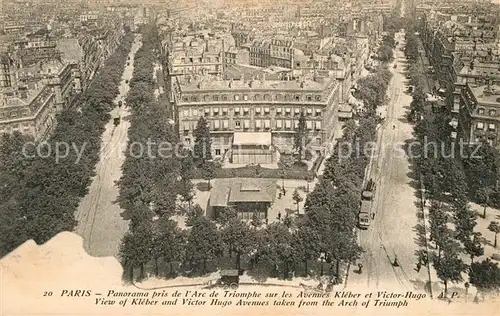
<point>249,157</point>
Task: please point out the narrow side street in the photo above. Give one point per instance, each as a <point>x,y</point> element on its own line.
<point>99,218</point>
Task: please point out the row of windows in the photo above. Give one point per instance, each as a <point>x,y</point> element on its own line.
<point>482,126</point>
<point>489,140</point>
<point>15,127</point>
<point>257,124</point>
<point>480,111</point>
<point>13,114</point>
<point>215,111</point>
<point>256,97</point>
<point>200,60</point>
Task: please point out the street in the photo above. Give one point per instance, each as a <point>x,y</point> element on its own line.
<point>392,232</point>
<point>99,218</point>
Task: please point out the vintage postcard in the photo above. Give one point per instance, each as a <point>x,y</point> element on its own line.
<point>249,157</point>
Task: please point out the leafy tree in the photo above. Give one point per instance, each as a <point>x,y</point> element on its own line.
<point>285,163</point>
<point>495,228</point>
<point>485,276</point>
<point>239,238</point>
<point>438,221</point>
<point>473,247</point>
<point>208,171</point>
<point>288,221</point>
<point>171,242</point>
<point>225,216</point>
<point>465,221</point>
<point>256,221</point>
<point>278,248</point>
<point>193,214</point>
<point>449,268</point>
<point>306,244</point>
<point>187,165</point>
<point>300,136</point>
<point>186,190</point>
<point>297,198</point>
<point>136,248</point>
<point>204,243</point>
<point>483,195</point>
<point>202,144</point>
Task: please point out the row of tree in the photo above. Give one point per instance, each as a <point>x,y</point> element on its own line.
<point>451,221</point>
<point>40,193</point>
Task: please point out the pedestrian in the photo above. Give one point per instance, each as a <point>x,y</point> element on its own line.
<point>419,265</point>
<point>373,216</point>
<point>360,267</point>
<point>396,262</point>
<point>279,215</point>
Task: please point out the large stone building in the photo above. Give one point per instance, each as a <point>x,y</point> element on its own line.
<point>31,111</point>
<point>462,45</point>
<point>265,106</point>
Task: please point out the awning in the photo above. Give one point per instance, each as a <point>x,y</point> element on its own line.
<point>288,110</point>
<point>225,124</point>
<point>266,110</point>
<point>257,124</point>
<point>216,110</point>
<point>278,110</point>
<point>245,109</point>
<point>267,124</point>
<point>279,124</point>
<point>288,124</point>
<point>318,111</point>
<point>186,126</point>
<point>309,111</point>
<point>257,110</point>
<point>297,111</point>
<point>216,124</point>
<point>237,110</point>
<point>318,125</point>
<point>296,124</point>
<point>309,124</point>
<point>249,138</point>
<point>207,110</point>
<point>224,110</point>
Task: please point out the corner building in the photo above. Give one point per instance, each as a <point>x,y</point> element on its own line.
<point>252,120</point>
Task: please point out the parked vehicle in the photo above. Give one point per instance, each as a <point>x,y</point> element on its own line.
<point>364,218</point>
<point>229,278</point>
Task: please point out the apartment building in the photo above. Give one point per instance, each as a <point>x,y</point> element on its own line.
<point>263,108</point>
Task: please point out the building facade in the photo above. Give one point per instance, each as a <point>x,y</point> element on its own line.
<point>272,107</point>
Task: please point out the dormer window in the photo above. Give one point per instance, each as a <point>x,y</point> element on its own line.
<point>480,111</point>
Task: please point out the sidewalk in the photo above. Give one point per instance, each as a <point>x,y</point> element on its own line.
<point>437,284</point>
